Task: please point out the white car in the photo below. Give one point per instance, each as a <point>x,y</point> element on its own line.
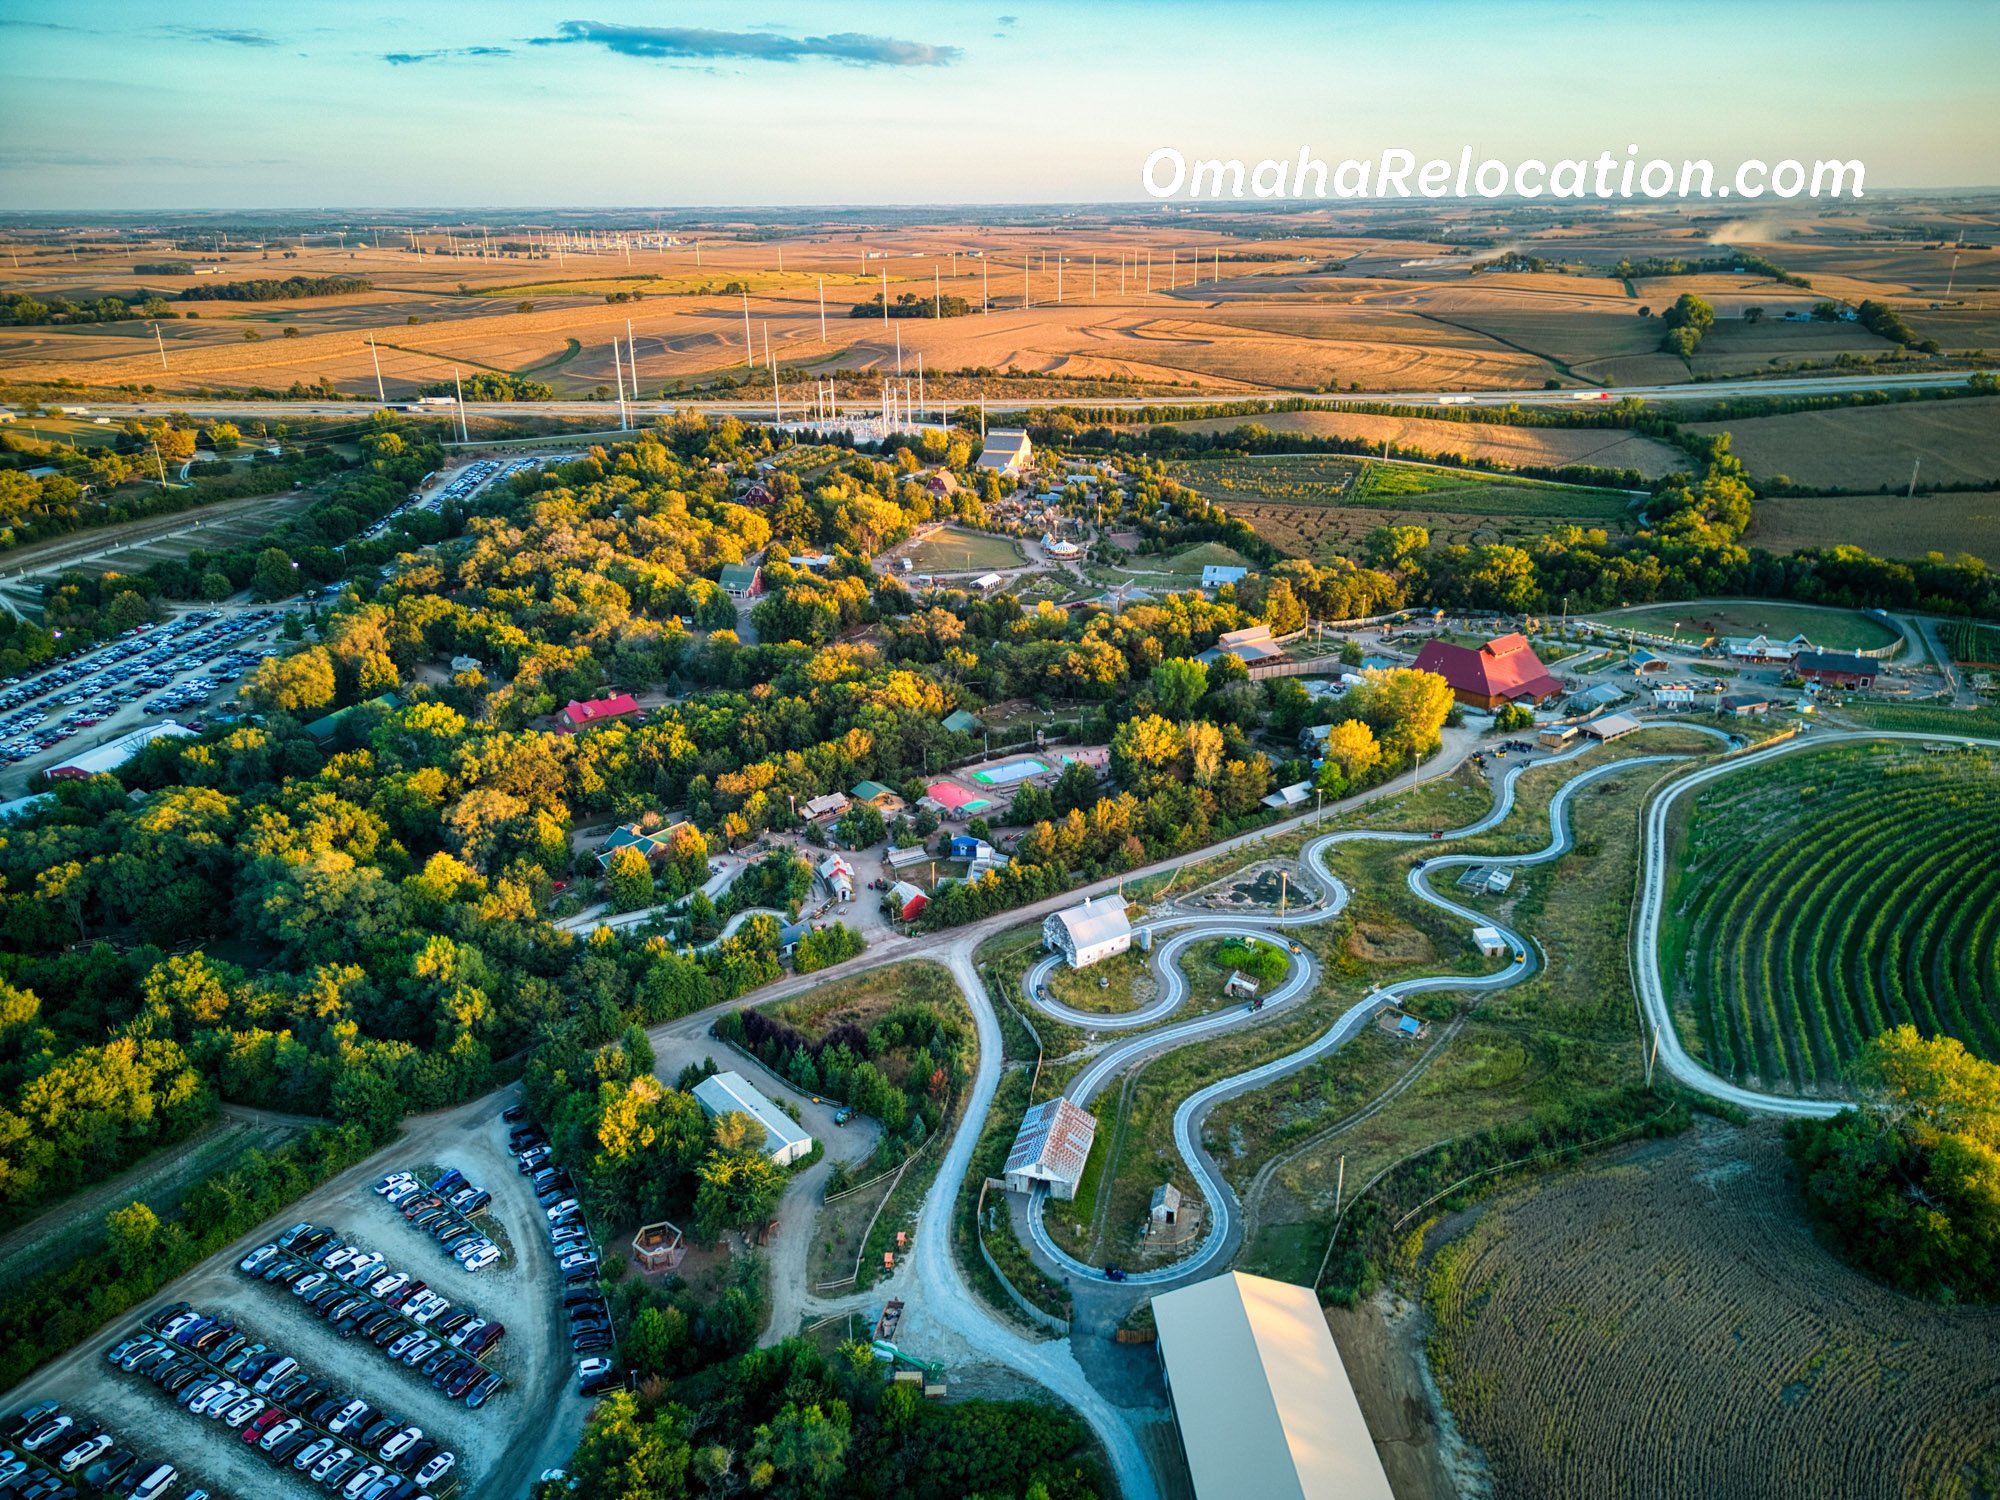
<point>401,1442</point>
<point>84,1452</point>
<point>344,1418</point>
<point>483,1259</point>
<point>256,1257</point>
<point>405,1344</point>
<point>156,1483</point>
<point>353,1488</point>
<point>272,1376</point>
<point>312,1453</point>
<point>243,1411</point>
<point>218,1400</point>
<point>279,1433</point>
<point>306,1285</point>
<point>329,1463</point>
<point>435,1470</point>
<point>393,1181</point>
<point>394,1282</point>
<point>422,1352</point>
<point>467,1331</point>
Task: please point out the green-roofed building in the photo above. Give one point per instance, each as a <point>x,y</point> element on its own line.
<point>324,729</point>
<point>876,795</point>
<point>741,580</point>
<point>958,721</point>
<point>656,844</point>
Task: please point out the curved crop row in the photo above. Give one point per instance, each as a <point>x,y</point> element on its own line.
<point>1837,895</point>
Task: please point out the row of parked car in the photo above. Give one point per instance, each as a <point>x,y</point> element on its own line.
<point>50,1452</point>
<point>576,1257</point>
<point>443,1210</point>
<point>360,1295</point>
<point>212,1369</point>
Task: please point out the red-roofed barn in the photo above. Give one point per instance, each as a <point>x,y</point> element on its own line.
<point>576,715</point>
<point>1504,670</point>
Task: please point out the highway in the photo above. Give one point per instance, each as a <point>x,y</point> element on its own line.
<point>645,411</point>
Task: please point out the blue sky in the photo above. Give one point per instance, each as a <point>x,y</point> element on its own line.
<point>294,103</point>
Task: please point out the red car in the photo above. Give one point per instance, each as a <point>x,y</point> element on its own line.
<point>263,1424</point>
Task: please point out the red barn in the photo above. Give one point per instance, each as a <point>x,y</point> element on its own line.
<point>1504,670</point>
<point>596,711</point>
<point>1835,669</point>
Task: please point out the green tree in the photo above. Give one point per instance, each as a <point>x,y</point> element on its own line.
<point>275,575</point>
<point>628,880</point>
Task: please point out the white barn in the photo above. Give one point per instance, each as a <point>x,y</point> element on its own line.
<point>1006,450</point>
<point>785,1141</point>
<point>1084,934</point>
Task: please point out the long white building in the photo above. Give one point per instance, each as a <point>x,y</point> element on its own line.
<point>785,1140</point>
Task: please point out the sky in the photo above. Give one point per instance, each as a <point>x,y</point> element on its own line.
<point>114,104</point>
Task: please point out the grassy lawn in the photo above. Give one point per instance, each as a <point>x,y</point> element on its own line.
<point>1189,561</point>
<point>867,997</point>
<point>1115,986</point>
<point>1695,620</point>
<point>1924,718</point>
<point>951,550</point>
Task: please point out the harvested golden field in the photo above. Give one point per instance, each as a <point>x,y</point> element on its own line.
<point>1866,447</point>
<point>1664,1324</point>
<point>1966,522</point>
<point>1551,446</point>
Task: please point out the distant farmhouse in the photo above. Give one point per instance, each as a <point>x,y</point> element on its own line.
<point>1006,451</point>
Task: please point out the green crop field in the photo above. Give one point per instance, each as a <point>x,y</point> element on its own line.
<point>1970,642</point>
<point>1823,900</point>
<point>1316,507</point>
<point>1695,620</point>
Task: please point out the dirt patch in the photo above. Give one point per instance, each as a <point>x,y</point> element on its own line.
<point>1384,943</point>
<point>1381,1342</point>
<point>1664,1324</point>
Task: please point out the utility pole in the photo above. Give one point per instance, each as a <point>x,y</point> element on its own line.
<point>380,395</point>
<point>749,351</point>
<point>1915,464</point>
<point>777,406</point>
<point>458,390</point>
<point>618,379</point>
<point>163,345</point>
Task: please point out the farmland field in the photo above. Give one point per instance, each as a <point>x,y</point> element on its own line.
<point>1971,642</point>
<point>1824,899</point>
<point>950,550</point>
<point>1607,448</point>
<point>1313,507</point>
<point>1872,447</point>
<point>1697,620</point>
<point>1663,1324</point>
<point>1965,522</point>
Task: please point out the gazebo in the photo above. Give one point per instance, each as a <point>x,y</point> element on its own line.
<point>658,1247</point>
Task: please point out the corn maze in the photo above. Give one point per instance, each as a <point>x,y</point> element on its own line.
<point>1832,897</point>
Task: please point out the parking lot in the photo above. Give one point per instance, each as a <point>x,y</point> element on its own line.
<point>173,669</point>
<point>528,1424</point>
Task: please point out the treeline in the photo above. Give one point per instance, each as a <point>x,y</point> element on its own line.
<point>21,310</point>
<point>791,1421</point>
<point>1639,270</point>
<point>49,1313</point>
<point>491,385</point>
<point>913,305</point>
<point>1906,1187</point>
<point>266,289</point>
<point>163,268</point>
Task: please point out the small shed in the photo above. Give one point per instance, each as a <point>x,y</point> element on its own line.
<point>1610,727</point>
<point>1489,941</point>
<point>1557,735</point>
<point>1239,984</point>
<point>907,901</point>
<point>1166,1207</point>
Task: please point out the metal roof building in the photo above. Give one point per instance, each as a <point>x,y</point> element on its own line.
<point>114,753</point>
<point>785,1140</point>
<point>1086,933</point>
<point>1261,1398</point>
<point>1051,1148</point>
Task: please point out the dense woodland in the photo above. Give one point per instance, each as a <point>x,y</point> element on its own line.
<point>1907,1187</point>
